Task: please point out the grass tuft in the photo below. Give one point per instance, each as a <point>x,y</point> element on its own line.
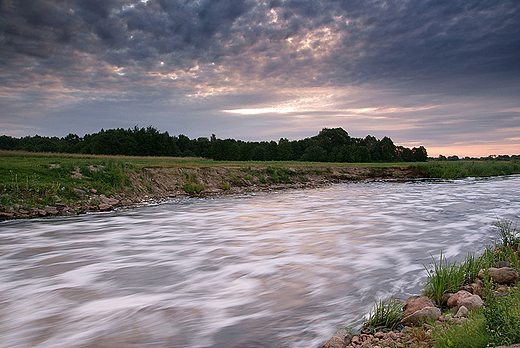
<point>386,315</point>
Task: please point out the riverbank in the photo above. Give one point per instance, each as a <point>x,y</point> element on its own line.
<point>472,304</point>
<point>43,184</point>
<point>37,185</point>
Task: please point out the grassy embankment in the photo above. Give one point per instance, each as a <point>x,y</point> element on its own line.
<point>497,323</point>
<point>36,180</point>
<point>40,179</point>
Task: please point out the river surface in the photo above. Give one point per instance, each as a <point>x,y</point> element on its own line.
<point>277,269</point>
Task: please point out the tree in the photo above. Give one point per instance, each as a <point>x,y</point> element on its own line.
<point>388,149</point>
<point>420,154</point>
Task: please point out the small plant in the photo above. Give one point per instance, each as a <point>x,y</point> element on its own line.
<point>385,316</point>
<point>444,277</point>
<point>193,188</point>
<point>510,236</point>
<point>225,186</point>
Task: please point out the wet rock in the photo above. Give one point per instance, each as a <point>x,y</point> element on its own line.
<point>421,316</point>
<point>415,303</point>
<point>504,275</point>
<point>454,299</point>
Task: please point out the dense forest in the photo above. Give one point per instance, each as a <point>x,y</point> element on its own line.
<point>330,145</point>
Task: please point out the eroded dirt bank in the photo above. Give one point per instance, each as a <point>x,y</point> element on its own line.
<point>157,184</point>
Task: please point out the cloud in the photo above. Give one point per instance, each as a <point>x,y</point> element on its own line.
<point>398,60</point>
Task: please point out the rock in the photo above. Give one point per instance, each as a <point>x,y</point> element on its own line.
<point>462,312</point>
<point>453,300</point>
<point>415,303</point>
<point>334,342</point>
<point>105,207</point>
<point>50,210</point>
<point>501,264</point>
<point>477,288</point>
<point>472,302</point>
<point>341,339</point>
<point>93,190</point>
<point>79,192</point>
<point>6,216</point>
<point>106,200</point>
<point>503,275</point>
<point>445,298</point>
<point>421,316</point>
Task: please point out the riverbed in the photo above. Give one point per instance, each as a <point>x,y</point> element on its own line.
<point>265,269</point>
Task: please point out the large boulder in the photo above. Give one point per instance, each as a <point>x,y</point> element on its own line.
<point>455,298</point>
<point>421,316</point>
<point>503,275</point>
<point>415,303</point>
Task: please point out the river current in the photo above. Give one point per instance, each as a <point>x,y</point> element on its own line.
<point>270,269</point>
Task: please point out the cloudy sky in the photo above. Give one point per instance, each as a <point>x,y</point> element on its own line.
<point>440,73</point>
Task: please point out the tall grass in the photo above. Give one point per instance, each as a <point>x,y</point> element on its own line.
<point>386,315</point>
<point>463,169</point>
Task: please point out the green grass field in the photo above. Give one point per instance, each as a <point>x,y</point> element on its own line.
<point>36,179</point>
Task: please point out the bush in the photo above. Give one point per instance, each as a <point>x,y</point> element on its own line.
<point>193,188</point>
<point>470,334</point>
<point>503,318</point>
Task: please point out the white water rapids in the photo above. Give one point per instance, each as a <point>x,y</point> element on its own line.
<point>278,269</point>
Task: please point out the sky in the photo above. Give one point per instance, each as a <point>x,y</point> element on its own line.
<point>444,74</point>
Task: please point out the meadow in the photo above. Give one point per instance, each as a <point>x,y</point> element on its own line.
<point>31,179</point>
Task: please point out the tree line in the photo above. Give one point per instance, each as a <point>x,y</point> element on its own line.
<point>330,145</point>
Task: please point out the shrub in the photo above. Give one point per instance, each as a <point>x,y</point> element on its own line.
<point>193,188</point>
<point>470,334</point>
<point>502,315</point>
<point>385,316</point>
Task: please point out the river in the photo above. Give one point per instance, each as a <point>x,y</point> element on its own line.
<point>269,269</point>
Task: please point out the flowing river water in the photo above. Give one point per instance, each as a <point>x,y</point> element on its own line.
<point>277,269</point>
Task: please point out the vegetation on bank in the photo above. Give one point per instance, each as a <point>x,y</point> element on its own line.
<point>36,180</point>
<point>330,145</point>
<point>497,323</point>
<point>467,168</point>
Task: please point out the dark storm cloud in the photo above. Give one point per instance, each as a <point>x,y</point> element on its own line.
<point>379,40</point>
<point>64,56</point>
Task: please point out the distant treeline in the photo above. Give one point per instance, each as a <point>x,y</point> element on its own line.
<point>330,145</point>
